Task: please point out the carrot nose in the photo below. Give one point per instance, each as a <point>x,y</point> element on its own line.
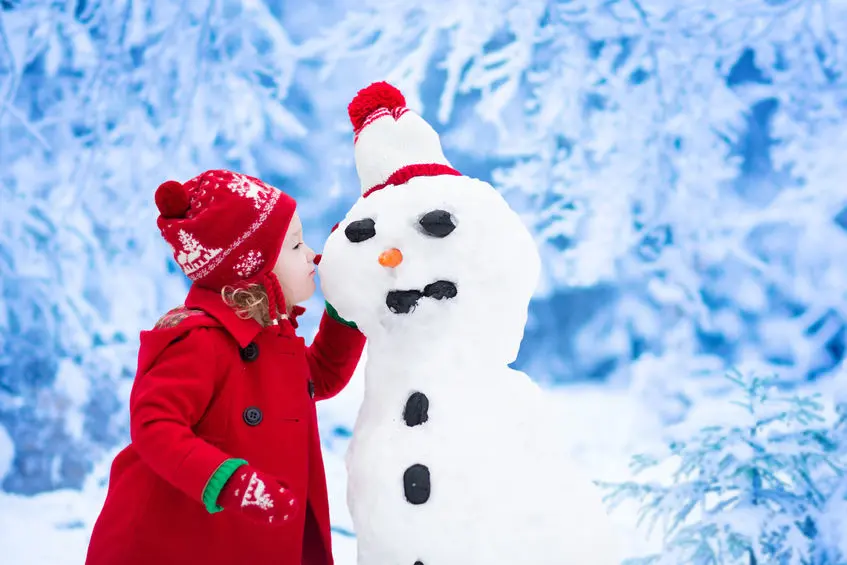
<point>390,258</point>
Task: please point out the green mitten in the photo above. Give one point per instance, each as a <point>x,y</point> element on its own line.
<point>333,313</point>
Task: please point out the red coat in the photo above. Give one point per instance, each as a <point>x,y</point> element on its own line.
<point>189,404</point>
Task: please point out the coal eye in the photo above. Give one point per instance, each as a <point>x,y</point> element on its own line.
<point>360,230</point>
<point>438,223</point>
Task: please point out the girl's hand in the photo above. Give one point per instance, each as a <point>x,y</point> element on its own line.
<point>258,496</point>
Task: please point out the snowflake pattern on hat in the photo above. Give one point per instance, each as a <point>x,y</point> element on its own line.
<point>216,260</point>
<point>257,192</point>
<point>249,264</point>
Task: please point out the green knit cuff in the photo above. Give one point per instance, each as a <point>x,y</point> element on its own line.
<point>217,481</point>
<point>333,313</point>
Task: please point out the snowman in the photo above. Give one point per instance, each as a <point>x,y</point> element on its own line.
<point>452,459</point>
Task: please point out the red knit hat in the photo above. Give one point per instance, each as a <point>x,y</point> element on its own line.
<point>226,229</point>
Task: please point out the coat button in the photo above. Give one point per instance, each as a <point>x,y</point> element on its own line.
<point>311,388</point>
<point>251,352</point>
<point>252,416</point>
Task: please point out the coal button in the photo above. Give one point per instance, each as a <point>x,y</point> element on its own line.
<point>416,411</point>
<point>416,484</point>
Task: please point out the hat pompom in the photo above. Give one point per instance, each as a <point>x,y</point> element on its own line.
<point>172,199</point>
<point>372,98</point>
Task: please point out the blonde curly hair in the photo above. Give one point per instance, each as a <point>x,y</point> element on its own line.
<point>250,302</point>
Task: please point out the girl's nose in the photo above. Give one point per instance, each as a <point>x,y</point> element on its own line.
<point>390,257</point>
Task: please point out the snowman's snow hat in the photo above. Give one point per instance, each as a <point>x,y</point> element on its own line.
<point>392,143</point>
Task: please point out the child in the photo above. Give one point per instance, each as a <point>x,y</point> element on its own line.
<point>225,462</point>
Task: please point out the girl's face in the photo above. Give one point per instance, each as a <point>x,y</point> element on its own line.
<point>294,267</point>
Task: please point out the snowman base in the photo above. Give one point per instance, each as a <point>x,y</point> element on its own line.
<point>470,475</point>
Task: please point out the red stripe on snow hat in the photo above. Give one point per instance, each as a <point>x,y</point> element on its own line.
<point>392,143</point>
<point>226,229</point>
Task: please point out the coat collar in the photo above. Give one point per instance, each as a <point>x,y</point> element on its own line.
<point>243,330</point>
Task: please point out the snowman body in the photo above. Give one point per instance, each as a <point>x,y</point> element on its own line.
<point>451,463</point>
<point>453,459</point>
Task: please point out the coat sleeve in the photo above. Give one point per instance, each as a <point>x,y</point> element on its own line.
<point>167,400</point>
<point>333,356</point>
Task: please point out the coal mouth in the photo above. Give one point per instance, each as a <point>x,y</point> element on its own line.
<point>405,301</point>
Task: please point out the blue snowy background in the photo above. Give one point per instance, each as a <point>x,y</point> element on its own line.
<point>682,164</point>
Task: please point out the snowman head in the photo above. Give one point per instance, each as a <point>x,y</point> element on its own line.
<point>426,254</point>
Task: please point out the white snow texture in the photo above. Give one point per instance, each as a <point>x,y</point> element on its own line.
<point>500,491</point>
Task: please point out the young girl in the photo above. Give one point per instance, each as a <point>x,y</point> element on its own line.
<point>225,462</point>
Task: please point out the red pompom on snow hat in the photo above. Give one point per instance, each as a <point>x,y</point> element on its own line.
<point>377,96</point>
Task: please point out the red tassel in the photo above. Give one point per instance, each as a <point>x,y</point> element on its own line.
<point>276,300</point>
<point>296,311</point>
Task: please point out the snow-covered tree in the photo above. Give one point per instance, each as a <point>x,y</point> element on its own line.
<point>752,489</point>
<point>678,162</point>
<point>99,103</point>
<point>834,525</point>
